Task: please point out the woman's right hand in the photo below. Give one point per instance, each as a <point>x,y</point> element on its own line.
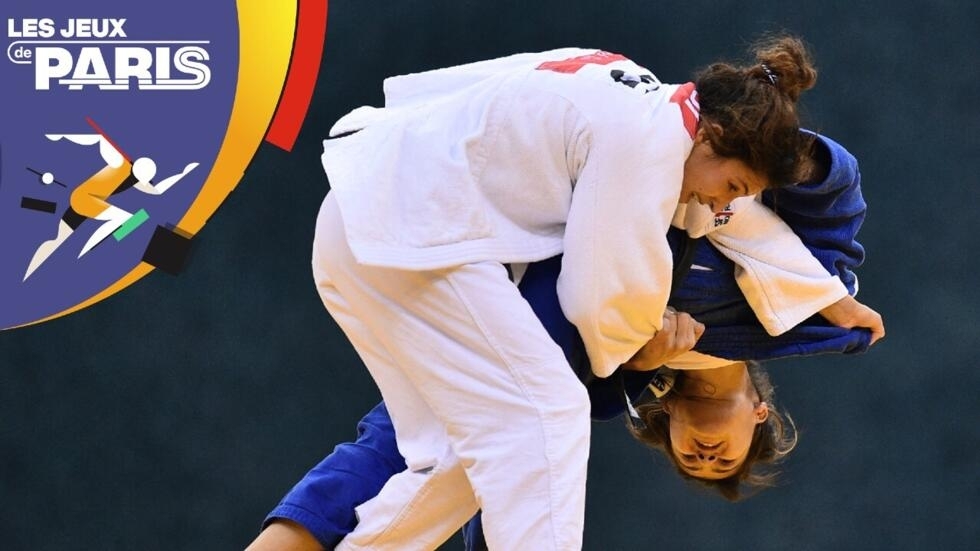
<point>849,313</point>
<point>679,334</point>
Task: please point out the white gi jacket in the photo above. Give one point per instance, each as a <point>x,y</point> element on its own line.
<point>524,157</point>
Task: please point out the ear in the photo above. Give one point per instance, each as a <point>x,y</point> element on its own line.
<point>702,135</point>
<point>761,412</point>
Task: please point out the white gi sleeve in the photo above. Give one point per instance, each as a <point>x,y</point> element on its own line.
<point>617,264</point>
<point>781,280</point>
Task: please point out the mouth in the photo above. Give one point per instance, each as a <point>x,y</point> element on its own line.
<point>706,446</point>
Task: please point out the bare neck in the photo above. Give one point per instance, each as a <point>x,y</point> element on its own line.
<point>719,382</point>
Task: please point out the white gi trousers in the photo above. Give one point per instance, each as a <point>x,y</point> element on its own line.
<point>483,402</point>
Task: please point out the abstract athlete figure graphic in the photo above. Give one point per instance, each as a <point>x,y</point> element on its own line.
<point>90,199</point>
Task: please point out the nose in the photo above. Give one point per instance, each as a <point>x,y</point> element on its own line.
<point>723,202</point>
<point>719,204</point>
<point>707,452</point>
<point>706,456</point>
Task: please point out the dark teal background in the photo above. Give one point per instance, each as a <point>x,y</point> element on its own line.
<point>175,414</point>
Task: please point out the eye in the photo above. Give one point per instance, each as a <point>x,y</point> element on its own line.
<point>732,187</point>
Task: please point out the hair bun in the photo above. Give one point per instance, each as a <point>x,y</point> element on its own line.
<point>785,63</point>
<point>754,108</point>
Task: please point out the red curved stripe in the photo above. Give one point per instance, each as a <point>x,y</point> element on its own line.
<point>311,29</point>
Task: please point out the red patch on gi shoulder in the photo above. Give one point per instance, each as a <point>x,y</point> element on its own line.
<point>686,97</point>
<point>573,64</point>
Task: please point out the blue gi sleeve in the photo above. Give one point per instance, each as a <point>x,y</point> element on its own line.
<point>323,501</point>
<point>826,215</point>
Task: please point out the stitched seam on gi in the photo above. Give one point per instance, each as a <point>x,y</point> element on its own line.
<point>516,375</point>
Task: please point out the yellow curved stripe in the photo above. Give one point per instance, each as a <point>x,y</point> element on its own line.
<point>266,31</point>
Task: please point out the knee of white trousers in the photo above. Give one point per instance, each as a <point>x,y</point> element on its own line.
<point>554,431</point>
<point>532,488</point>
<point>574,426</point>
<point>568,403</point>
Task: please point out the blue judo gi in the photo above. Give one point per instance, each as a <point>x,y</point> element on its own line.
<point>826,215</point>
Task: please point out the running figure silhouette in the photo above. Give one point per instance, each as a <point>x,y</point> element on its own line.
<point>89,200</point>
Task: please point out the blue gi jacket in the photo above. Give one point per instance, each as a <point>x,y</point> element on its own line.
<point>826,215</point>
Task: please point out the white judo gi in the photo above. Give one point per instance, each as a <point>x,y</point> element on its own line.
<point>510,161</point>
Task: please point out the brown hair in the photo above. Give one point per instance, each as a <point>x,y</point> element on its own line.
<point>754,108</point>
<point>772,440</point>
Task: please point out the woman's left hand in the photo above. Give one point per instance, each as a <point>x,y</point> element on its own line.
<point>849,313</point>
